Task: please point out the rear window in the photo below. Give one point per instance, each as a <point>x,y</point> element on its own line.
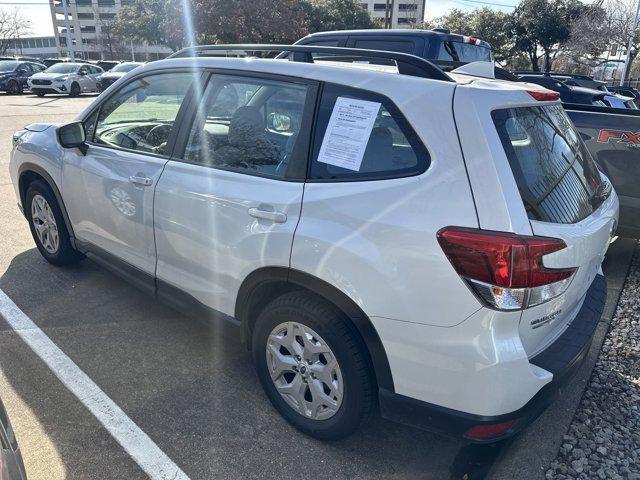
<point>463,52</point>
<point>554,171</point>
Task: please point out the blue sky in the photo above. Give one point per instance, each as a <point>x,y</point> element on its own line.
<point>38,10</point>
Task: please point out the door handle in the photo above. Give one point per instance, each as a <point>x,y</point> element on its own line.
<point>144,181</point>
<point>277,217</point>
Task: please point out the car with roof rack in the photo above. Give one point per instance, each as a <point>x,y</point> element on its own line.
<point>388,236</point>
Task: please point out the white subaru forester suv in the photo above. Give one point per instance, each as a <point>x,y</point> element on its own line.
<point>386,237</point>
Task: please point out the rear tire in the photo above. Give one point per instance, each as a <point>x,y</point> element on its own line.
<point>326,395</point>
<point>75,90</point>
<point>47,225</point>
<point>40,94</point>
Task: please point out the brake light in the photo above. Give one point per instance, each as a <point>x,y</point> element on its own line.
<point>544,96</point>
<point>505,269</point>
<point>471,40</point>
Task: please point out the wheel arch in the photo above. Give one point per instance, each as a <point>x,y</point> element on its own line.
<point>28,173</point>
<point>265,284</point>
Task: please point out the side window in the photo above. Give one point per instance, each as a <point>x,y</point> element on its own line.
<point>391,45</point>
<point>392,149</point>
<point>90,125</point>
<point>140,116</point>
<point>250,125</point>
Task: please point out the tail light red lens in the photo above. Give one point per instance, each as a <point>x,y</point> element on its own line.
<point>502,260</point>
<point>544,96</point>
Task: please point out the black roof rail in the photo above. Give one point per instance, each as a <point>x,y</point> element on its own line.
<point>407,64</point>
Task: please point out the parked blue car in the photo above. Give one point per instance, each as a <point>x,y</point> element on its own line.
<point>14,75</point>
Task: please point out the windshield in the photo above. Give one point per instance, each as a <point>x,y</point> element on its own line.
<point>8,65</point>
<point>124,67</point>
<point>464,52</point>
<point>554,171</point>
<point>63,68</point>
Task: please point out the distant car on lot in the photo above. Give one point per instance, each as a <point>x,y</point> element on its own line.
<point>386,236</point>
<point>627,92</point>
<point>107,65</point>
<point>11,463</point>
<point>117,72</point>
<point>439,44</point>
<point>14,75</point>
<point>568,93</point>
<point>70,78</point>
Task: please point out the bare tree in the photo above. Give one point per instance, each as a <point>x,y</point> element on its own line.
<point>13,25</point>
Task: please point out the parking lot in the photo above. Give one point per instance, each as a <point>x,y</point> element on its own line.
<point>189,386</point>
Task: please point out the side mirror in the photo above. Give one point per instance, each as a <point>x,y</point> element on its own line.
<point>73,135</point>
<point>279,122</point>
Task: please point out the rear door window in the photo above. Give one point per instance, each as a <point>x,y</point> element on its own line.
<point>555,173</point>
<point>392,149</point>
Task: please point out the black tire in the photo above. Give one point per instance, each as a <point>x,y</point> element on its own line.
<point>359,397</point>
<point>14,88</point>
<point>74,90</point>
<point>40,94</point>
<point>65,253</point>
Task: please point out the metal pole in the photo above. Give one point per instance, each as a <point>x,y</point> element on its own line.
<point>387,23</point>
<point>65,10</point>
<point>133,54</point>
<point>631,36</point>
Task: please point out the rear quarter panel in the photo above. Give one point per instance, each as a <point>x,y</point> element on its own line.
<point>376,240</point>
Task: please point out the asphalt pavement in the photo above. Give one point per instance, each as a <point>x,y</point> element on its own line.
<point>190,386</point>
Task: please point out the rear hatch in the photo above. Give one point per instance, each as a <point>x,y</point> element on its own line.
<point>565,197</point>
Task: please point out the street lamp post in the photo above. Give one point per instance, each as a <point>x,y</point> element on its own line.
<point>629,45</point>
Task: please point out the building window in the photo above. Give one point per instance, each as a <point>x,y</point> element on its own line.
<point>88,29</point>
<point>85,16</point>
<point>406,20</point>
<point>365,6</point>
<point>83,3</point>
<point>381,7</point>
<point>408,7</point>
<point>106,3</point>
<point>107,16</point>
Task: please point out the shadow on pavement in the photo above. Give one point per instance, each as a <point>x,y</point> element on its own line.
<point>190,386</point>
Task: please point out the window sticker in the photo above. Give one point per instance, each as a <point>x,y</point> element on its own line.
<point>348,132</point>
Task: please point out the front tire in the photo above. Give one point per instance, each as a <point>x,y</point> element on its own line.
<point>14,88</point>
<point>75,90</point>
<point>313,365</point>
<point>47,225</point>
<point>40,94</point>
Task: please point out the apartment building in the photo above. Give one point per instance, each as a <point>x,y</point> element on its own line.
<point>91,28</point>
<point>402,13</point>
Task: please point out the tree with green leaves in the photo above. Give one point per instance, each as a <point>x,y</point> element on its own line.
<point>539,27</point>
<point>323,15</point>
<point>157,22</point>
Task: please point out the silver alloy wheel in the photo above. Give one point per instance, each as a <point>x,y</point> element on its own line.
<point>45,224</point>
<point>304,370</point>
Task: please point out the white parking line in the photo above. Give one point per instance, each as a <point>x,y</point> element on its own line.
<point>136,443</point>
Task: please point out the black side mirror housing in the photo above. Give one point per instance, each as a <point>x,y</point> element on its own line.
<point>73,135</point>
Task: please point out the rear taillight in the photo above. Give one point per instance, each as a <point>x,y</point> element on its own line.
<point>505,269</point>
<point>544,96</point>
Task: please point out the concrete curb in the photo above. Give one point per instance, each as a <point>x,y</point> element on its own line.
<point>529,455</point>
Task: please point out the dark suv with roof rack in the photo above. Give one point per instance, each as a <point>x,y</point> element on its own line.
<point>438,44</point>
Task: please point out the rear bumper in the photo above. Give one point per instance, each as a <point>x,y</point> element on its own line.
<point>562,359</point>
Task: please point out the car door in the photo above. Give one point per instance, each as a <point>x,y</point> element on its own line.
<point>24,72</point>
<point>94,72</point>
<point>109,191</point>
<point>229,202</point>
